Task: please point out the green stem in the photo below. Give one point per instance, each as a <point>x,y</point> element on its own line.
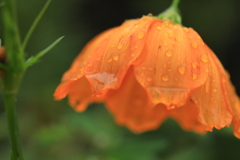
<point>11,83</point>
<point>172,13</point>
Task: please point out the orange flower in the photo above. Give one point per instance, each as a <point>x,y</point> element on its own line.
<point>147,70</point>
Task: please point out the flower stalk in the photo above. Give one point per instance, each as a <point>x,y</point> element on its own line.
<point>13,68</point>
<point>172,13</point>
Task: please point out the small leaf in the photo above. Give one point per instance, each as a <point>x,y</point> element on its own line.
<point>35,23</point>
<point>30,61</point>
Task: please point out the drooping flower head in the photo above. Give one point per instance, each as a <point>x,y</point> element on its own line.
<point>147,70</point>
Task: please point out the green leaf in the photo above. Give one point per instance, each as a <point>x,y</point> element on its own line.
<point>35,23</point>
<point>34,59</point>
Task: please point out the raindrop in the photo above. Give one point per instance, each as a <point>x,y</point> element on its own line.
<point>207,70</point>
<point>170,34</point>
<point>116,57</point>
<point>194,44</point>
<point>181,69</point>
<point>186,29</point>
<point>141,35</point>
<point>90,64</point>
<point>204,58</point>
<point>109,60</point>
<point>165,77</point>
<point>195,64</point>
<point>214,89</point>
<point>149,78</point>
<point>159,28</point>
<point>194,76</point>
<point>169,53</point>
<point>119,46</point>
<point>98,58</point>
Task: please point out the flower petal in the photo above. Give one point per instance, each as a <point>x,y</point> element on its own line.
<point>129,105</point>
<point>76,70</point>
<point>79,94</point>
<point>109,62</point>
<point>212,98</point>
<point>173,64</point>
<point>187,117</point>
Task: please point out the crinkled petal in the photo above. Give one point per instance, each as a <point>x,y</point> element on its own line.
<point>212,98</point>
<point>129,105</point>
<point>76,70</point>
<point>110,61</point>
<point>79,93</point>
<point>187,117</point>
<point>172,65</point>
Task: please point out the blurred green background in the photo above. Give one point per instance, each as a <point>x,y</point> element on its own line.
<point>51,130</point>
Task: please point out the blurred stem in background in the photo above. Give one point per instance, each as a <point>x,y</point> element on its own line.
<point>13,67</point>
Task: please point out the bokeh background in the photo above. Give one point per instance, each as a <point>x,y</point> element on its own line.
<point>52,130</point>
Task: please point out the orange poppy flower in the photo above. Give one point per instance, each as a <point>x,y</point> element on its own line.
<point>147,70</point>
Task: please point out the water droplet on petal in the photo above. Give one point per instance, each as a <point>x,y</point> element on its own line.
<point>198,37</point>
<point>109,60</point>
<point>149,78</point>
<point>141,35</point>
<point>194,76</point>
<point>194,44</point>
<point>181,69</point>
<point>116,57</point>
<point>165,44</point>
<point>186,29</point>
<point>207,70</point>
<point>170,34</point>
<point>112,45</point>
<point>195,64</point>
<point>204,58</point>
<point>90,64</point>
<point>150,68</point>
<point>171,107</point>
<point>214,89</point>
<point>169,53</point>
<point>159,28</point>
<point>98,58</point>
<point>119,46</point>
<point>132,54</point>
<point>165,77</point>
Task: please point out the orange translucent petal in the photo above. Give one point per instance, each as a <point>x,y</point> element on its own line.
<point>236,126</point>
<point>212,98</point>
<point>187,117</point>
<point>129,105</point>
<point>79,93</point>
<point>110,60</point>
<point>174,63</point>
<point>77,68</point>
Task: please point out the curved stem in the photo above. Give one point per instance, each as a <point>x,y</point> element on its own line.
<point>175,3</point>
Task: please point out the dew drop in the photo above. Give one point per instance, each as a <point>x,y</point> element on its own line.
<point>98,58</point>
<point>165,77</point>
<point>181,69</point>
<point>194,44</point>
<point>170,34</point>
<point>143,68</point>
<point>90,64</point>
<point>109,60</point>
<point>207,70</point>
<point>149,78</point>
<point>172,106</point>
<point>204,58</point>
<point>195,64</point>
<point>198,37</point>
<point>119,46</point>
<point>165,44</point>
<point>165,65</point>
<point>116,57</point>
<point>194,76</point>
<point>132,54</point>
<point>141,35</point>
<point>214,89</point>
<point>169,53</point>
<point>186,29</point>
<point>159,28</point>
<point>112,45</point>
